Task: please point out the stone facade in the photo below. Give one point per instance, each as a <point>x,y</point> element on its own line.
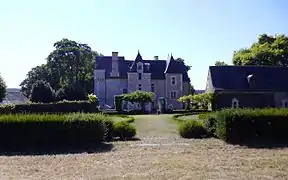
<point>113,75</point>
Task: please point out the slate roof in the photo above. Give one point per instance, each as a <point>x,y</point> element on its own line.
<point>14,96</point>
<point>157,68</point>
<point>265,78</point>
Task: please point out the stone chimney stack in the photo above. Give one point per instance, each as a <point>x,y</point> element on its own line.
<point>155,57</point>
<point>114,55</point>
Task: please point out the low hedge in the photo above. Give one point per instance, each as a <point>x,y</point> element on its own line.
<point>192,129</point>
<point>51,130</point>
<point>59,107</point>
<point>242,125</point>
<point>20,131</point>
<point>124,130</point>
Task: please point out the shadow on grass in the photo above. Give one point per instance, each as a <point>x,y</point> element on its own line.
<point>28,151</point>
<point>126,139</point>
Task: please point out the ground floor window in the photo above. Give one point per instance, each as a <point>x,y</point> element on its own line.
<point>235,103</point>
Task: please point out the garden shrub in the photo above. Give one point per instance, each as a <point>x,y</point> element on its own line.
<point>210,125</point>
<point>42,92</point>
<point>192,129</point>
<point>60,95</point>
<point>130,119</point>
<point>51,130</point>
<point>58,107</point>
<point>124,130</point>
<point>242,125</point>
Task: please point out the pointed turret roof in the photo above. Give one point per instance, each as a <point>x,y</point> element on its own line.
<point>134,64</point>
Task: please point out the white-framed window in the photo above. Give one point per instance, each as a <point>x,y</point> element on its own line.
<point>284,103</point>
<point>139,66</point>
<point>139,76</point>
<point>235,103</point>
<point>173,80</point>
<point>152,87</point>
<point>139,87</point>
<point>173,94</point>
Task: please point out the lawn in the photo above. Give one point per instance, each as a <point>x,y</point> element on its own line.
<point>160,154</point>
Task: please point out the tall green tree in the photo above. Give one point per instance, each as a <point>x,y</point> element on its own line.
<point>182,60</point>
<point>220,63</point>
<point>69,66</point>
<point>2,89</point>
<point>268,50</point>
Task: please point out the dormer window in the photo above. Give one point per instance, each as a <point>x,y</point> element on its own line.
<point>139,66</point>
<point>235,103</point>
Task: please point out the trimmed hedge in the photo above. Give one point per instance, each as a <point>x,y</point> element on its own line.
<point>243,125</point>
<point>51,130</point>
<point>123,130</point>
<point>59,107</point>
<point>192,129</point>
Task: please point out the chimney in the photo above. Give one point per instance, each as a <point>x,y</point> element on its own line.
<point>155,57</point>
<point>114,55</point>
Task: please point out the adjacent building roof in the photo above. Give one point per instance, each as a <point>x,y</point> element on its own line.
<point>157,68</point>
<point>14,96</point>
<point>263,78</point>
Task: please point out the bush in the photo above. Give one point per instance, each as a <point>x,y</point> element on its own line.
<point>51,130</point>
<point>2,89</point>
<point>243,125</point>
<point>123,130</point>
<point>93,98</point>
<point>210,125</point>
<point>130,119</point>
<point>192,129</point>
<point>42,92</point>
<point>59,107</point>
<point>60,95</point>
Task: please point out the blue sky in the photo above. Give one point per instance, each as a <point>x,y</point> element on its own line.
<point>199,31</point>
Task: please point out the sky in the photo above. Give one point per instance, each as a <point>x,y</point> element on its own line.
<point>199,31</point>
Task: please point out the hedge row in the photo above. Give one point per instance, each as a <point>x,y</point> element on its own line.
<point>59,107</point>
<point>59,130</point>
<point>241,125</point>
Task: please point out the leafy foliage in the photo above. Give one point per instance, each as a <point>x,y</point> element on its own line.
<point>92,98</point>
<point>124,130</point>
<point>58,107</point>
<point>2,88</point>
<point>60,94</point>
<point>141,97</point>
<point>242,125</point>
<point>220,63</point>
<point>42,92</point>
<point>268,50</point>
<point>203,99</point>
<point>192,129</point>
<point>35,130</point>
<point>69,66</point>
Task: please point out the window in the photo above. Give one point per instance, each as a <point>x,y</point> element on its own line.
<point>173,80</point>
<point>124,91</point>
<point>152,88</point>
<point>284,103</point>
<point>139,66</point>
<point>235,103</point>
<point>173,94</point>
<point>139,76</point>
<point>139,87</point>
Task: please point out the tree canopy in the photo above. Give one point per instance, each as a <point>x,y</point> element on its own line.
<point>220,63</point>
<point>2,88</point>
<point>69,66</point>
<point>141,97</point>
<point>268,50</point>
